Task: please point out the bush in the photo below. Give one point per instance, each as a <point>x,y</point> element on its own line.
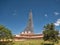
<point>48,44</point>
<point>6,43</point>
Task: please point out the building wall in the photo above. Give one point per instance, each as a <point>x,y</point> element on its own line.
<point>27,36</point>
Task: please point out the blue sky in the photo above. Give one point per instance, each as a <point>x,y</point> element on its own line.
<point>14,14</point>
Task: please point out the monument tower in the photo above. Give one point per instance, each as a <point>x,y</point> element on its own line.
<point>29,27</point>
<point>28,32</point>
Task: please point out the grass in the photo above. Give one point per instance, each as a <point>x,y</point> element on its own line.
<point>31,42</point>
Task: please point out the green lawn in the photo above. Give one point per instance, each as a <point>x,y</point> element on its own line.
<point>31,42</point>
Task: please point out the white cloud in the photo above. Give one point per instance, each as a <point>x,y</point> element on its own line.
<point>57,23</point>
<point>46,15</point>
<point>56,13</point>
<point>14,13</point>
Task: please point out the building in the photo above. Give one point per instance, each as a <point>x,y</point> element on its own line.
<point>28,33</point>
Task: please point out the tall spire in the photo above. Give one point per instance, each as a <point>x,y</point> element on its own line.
<point>29,27</point>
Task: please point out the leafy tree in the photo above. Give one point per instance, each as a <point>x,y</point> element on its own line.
<point>5,34</point>
<point>50,33</point>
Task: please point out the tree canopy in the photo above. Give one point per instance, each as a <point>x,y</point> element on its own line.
<point>5,34</point>
<point>50,33</point>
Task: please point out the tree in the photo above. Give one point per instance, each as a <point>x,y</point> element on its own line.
<point>50,33</point>
<point>5,34</point>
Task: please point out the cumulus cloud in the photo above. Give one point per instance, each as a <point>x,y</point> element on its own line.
<point>57,23</point>
<point>56,13</point>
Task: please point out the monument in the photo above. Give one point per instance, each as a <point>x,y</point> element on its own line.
<point>29,27</point>
<point>28,32</point>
